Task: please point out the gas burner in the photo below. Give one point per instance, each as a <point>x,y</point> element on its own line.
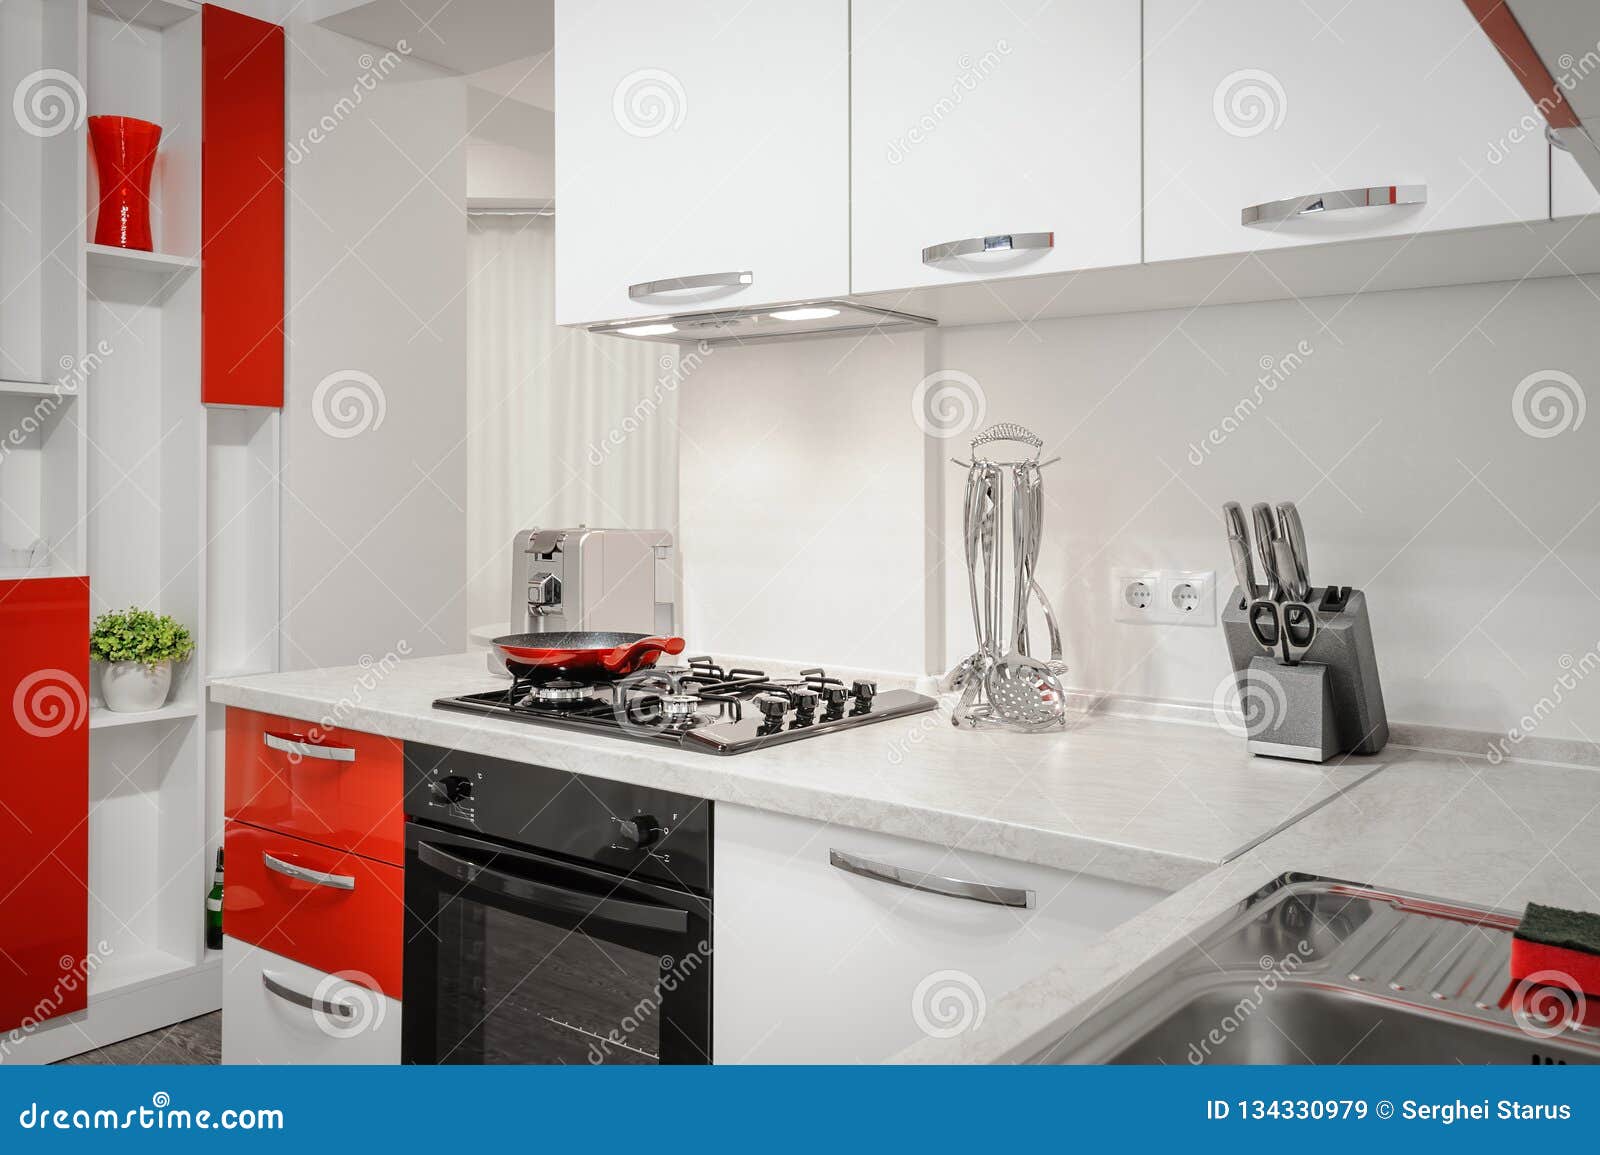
<point>678,707</point>
<point>557,693</point>
<point>700,704</point>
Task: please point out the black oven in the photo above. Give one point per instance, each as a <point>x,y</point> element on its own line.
<point>552,919</point>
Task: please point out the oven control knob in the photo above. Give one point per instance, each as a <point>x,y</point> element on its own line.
<point>641,830</point>
<point>805,701</point>
<point>773,706</point>
<point>864,690</point>
<point>835,696</point>
<point>452,789</point>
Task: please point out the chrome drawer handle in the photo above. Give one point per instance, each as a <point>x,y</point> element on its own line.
<point>288,994</point>
<point>1002,243</point>
<point>1332,202</point>
<point>930,883</point>
<point>306,874</point>
<point>735,280</point>
<point>294,744</point>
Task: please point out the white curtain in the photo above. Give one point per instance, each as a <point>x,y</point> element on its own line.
<point>564,428</point>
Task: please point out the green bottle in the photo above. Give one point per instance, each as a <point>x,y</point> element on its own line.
<point>214,908</point>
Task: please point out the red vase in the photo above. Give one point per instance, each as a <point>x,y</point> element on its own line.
<point>125,155</point>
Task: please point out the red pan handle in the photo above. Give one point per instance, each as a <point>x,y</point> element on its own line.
<point>624,658</point>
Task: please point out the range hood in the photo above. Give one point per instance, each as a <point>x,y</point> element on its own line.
<point>1553,49</point>
<point>798,319</point>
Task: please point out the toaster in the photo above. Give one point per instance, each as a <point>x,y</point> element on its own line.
<point>592,579</point>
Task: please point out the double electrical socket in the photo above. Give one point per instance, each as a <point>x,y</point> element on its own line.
<point>1164,597</point>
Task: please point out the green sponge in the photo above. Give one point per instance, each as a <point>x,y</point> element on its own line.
<point>1569,929</point>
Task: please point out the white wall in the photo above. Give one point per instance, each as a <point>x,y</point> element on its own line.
<point>1478,544</point>
<point>373,522</point>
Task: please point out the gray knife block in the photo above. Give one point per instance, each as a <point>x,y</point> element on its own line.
<point>1349,687</point>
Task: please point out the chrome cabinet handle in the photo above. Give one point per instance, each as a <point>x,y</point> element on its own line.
<point>1002,243</point>
<point>306,874</point>
<point>1330,202</point>
<point>288,994</point>
<point>734,280</point>
<point>930,883</point>
<point>294,744</point>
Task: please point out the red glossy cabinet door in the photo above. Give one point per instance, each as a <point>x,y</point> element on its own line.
<point>44,798</point>
<point>241,172</point>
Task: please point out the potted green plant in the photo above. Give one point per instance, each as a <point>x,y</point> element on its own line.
<point>138,648</point>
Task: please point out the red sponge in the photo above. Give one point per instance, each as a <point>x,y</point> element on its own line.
<point>1557,948</point>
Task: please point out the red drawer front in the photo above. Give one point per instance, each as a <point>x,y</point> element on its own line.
<point>337,787</point>
<point>241,198</point>
<point>44,798</point>
<point>328,909</point>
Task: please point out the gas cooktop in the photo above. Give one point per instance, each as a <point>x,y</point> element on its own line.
<point>698,705</point>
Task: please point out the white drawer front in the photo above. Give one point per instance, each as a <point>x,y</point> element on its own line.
<point>264,1019</point>
<point>817,964</point>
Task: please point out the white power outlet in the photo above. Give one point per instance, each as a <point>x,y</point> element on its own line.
<point>1164,597</point>
<point>1136,596</point>
<point>1189,597</point>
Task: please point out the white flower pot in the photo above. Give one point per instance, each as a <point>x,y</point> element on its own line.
<point>132,687</point>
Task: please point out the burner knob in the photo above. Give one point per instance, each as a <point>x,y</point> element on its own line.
<point>805,701</point>
<point>641,830</point>
<point>864,690</point>
<point>773,706</point>
<point>452,789</point>
<point>835,696</point>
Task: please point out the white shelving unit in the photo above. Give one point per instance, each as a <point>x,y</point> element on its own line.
<point>165,503</point>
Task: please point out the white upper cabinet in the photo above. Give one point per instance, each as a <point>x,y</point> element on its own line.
<point>702,155</point>
<point>1259,102</point>
<point>973,121</point>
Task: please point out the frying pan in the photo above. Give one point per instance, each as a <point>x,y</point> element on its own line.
<point>610,653</point>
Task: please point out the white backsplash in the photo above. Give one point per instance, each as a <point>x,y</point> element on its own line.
<point>1388,417</point>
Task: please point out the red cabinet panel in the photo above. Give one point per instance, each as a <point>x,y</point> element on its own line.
<point>341,788</point>
<point>241,285</point>
<point>44,798</point>
<point>334,911</point>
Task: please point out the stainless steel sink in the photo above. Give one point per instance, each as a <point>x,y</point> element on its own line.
<point>1310,970</point>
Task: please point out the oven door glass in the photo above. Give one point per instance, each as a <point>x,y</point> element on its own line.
<point>513,957</point>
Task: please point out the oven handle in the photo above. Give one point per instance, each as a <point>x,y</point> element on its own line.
<point>635,914</point>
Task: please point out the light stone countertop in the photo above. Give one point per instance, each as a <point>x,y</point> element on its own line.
<point>1441,827</point>
<point>1156,803</point>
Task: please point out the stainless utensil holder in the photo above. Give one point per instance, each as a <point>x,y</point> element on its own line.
<point>1328,704</point>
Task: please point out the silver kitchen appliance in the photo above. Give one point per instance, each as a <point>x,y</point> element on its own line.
<point>613,580</point>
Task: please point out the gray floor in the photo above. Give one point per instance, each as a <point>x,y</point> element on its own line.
<point>194,1043</point>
